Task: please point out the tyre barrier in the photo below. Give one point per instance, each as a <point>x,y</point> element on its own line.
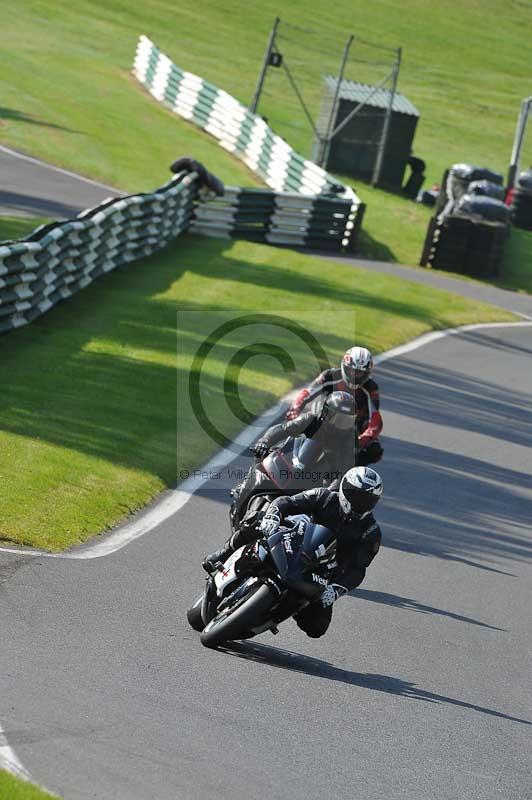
<point>466,244</point>
<point>522,202</point>
<point>471,225</point>
<point>60,258</point>
<point>247,136</point>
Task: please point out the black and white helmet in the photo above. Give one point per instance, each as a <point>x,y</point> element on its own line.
<point>357,364</point>
<point>360,490</point>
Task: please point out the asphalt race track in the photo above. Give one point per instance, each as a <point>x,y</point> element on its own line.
<point>422,688</point>
<point>32,188</point>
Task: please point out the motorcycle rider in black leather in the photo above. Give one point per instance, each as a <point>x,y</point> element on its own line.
<point>348,513</point>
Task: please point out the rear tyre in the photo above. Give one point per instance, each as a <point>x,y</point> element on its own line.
<point>237,624</point>
<point>194,615</point>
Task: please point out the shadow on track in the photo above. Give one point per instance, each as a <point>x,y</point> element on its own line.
<point>433,513</point>
<point>315,667</point>
<point>388,599</point>
<point>37,205</point>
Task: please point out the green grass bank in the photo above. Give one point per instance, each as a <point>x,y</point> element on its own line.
<point>95,418</point>
<point>68,96</point>
<point>12,788</point>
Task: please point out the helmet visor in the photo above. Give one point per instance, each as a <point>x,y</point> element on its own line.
<point>353,376</point>
<point>345,505</point>
<point>344,422</point>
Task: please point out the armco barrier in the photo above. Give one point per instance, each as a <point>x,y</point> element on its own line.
<point>61,258</point>
<point>247,136</point>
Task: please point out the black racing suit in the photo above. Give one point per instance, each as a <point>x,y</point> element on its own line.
<point>358,542</point>
<point>369,420</point>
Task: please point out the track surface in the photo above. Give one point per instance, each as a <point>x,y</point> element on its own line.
<point>32,188</point>
<point>422,688</point>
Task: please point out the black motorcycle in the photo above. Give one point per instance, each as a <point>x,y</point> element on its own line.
<point>291,467</point>
<point>264,583</point>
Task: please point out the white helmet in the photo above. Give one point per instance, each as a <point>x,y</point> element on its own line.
<point>360,490</point>
<point>356,366</point>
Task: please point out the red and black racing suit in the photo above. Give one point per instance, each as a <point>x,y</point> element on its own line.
<point>358,542</point>
<point>369,420</point>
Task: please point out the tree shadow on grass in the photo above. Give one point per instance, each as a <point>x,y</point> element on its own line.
<point>98,375</point>
<point>315,667</point>
<point>20,116</point>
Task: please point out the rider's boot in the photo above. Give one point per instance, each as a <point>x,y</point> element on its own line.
<point>238,539</point>
<point>219,556</point>
<point>235,492</point>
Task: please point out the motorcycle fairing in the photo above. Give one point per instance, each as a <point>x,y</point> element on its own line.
<point>301,552</point>
<point>222,579</point>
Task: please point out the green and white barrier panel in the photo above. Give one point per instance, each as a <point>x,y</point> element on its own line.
<point>59,259</point>
<point>284,218</point>
<point>239,131</point>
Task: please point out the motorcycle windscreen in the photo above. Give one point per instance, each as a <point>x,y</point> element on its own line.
<point>306,452</point>
<point>284,467</point>
<point>279,469</point>
<point>286,543</point>
<point>319,545</point>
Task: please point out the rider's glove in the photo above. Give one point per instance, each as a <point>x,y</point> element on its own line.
<point>331,594</point>
<point>297,405</point>
<point>271,521</point>
<point>261,449</point>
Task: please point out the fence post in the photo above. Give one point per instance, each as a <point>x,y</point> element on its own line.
<point>387,120</point>
<point>271,42</point>
<point>325,144</point>
<point>526,105</point>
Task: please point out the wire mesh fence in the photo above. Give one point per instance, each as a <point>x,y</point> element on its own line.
<point>292,93</point>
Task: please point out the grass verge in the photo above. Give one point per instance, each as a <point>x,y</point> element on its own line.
<point>94,412</point>
<point>464,72</point>
<point>18,227</point>
<point>12,788</point>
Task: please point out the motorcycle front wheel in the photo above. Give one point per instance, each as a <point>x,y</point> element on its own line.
<point>194,615</point>
<point>237,622</point>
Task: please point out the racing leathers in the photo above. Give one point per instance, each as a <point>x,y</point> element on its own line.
<point>369,420</point>
<point>358,541</point>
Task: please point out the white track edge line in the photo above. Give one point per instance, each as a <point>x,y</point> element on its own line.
<point>9,760</point>
<point>175,500</point>
<point>33,160</point>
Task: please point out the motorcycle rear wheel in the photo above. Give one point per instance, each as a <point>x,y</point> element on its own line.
<point>235,624</point>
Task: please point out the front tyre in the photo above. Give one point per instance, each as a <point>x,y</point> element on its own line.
<point>237,623</point>
<point>194,615</point>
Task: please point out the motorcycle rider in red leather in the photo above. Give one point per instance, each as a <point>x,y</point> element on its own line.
<point>353,376</point>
